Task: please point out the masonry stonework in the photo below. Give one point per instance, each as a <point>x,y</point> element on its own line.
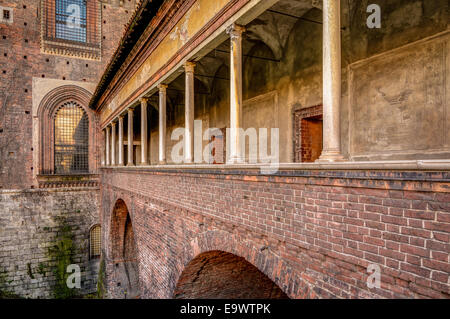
<point>313,233</point>
<point>30,219</point>
<point>32,223</point>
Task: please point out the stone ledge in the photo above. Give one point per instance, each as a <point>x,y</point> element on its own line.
<point>68,181</point>
<point>418,165</point>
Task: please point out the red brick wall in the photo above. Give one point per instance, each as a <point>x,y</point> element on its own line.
<point>20,61</point>
<point>308,127</point>
<point>313,233</point>
<point>312,143</point>
<point>220,275</point>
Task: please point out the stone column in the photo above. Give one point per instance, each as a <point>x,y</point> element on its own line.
<point>235,32</point>
<point>108,145</point>
<point>113,143</point>
<point>331,82</point>
<point>130,137</point>
<point>162,122</point>
<point>189,114</point>
<point>103,160</point>
<point>121,159</point>
<point>144,132</point>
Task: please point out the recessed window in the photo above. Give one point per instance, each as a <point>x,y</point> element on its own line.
<point>71,140</point>
<point>70,20</point>
<point>95,246</point>
<point>72,27</point>
<point>6,15</point>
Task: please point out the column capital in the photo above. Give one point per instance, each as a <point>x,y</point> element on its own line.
<point>120,117</point>
<point>189,67</point>
<point>130,109</point>
<point>114,122</point>
<point>235,30</point>
<point>162,87</point>
<point>144,99</point>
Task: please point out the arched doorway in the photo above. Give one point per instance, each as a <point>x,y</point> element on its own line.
<point>124,253</point>
<point>221,275</point>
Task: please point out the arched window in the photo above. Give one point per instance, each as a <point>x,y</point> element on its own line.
<point>71,140</point>
<point>95,245</point>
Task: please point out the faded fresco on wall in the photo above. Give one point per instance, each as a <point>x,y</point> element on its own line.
<point>399,102</point>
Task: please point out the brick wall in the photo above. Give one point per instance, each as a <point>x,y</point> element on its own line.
<point>31,223</point>
<point>313,233</point>
<point>220,275</point>
<point>20,61</point>
<point>308,129</point>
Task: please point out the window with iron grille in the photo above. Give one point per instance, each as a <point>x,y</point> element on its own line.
<point>71,27</point>
<point>95,245</point>
<point>71,140</point>
<point>6,15</point>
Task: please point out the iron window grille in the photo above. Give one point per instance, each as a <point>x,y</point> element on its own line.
<point>6,15</point>
<point>71,140</point>
<point>71,27</point>
<point>95,245</point>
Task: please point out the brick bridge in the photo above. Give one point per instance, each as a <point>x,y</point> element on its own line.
<point>234,233</point>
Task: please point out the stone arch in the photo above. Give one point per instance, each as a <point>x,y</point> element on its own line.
<point>308,37</point>
<point>263,259</point>
<point>257,73</point>
<point>46,111</point>
<point>221,275</point>
<point>123,253</point>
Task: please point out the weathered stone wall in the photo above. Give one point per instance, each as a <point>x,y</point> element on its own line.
<point>313,233</point>
<point>31,223</point>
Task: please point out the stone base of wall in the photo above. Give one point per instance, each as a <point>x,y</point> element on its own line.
<point>314,233</point>
<point>31,222</point>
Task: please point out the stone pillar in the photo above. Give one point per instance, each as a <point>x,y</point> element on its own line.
<point>108,145</point>
<point>189,114</point>
<point>130,137</point>
<point>162,122</point>
<point>121,159</point>
<point>235,32</point>
<point>103,160</point>
<point>144,132</point>
<point>113,143</point>
<point>331,82</point>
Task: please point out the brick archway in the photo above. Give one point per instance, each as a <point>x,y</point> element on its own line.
<point>289,281</point>
<point>221,275</point>
<point>46,111</point>
<point>123,252</point>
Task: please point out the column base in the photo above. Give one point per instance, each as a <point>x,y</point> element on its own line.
<point>331,156</point>
<point>236,160</point>
<point>131,165</point>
